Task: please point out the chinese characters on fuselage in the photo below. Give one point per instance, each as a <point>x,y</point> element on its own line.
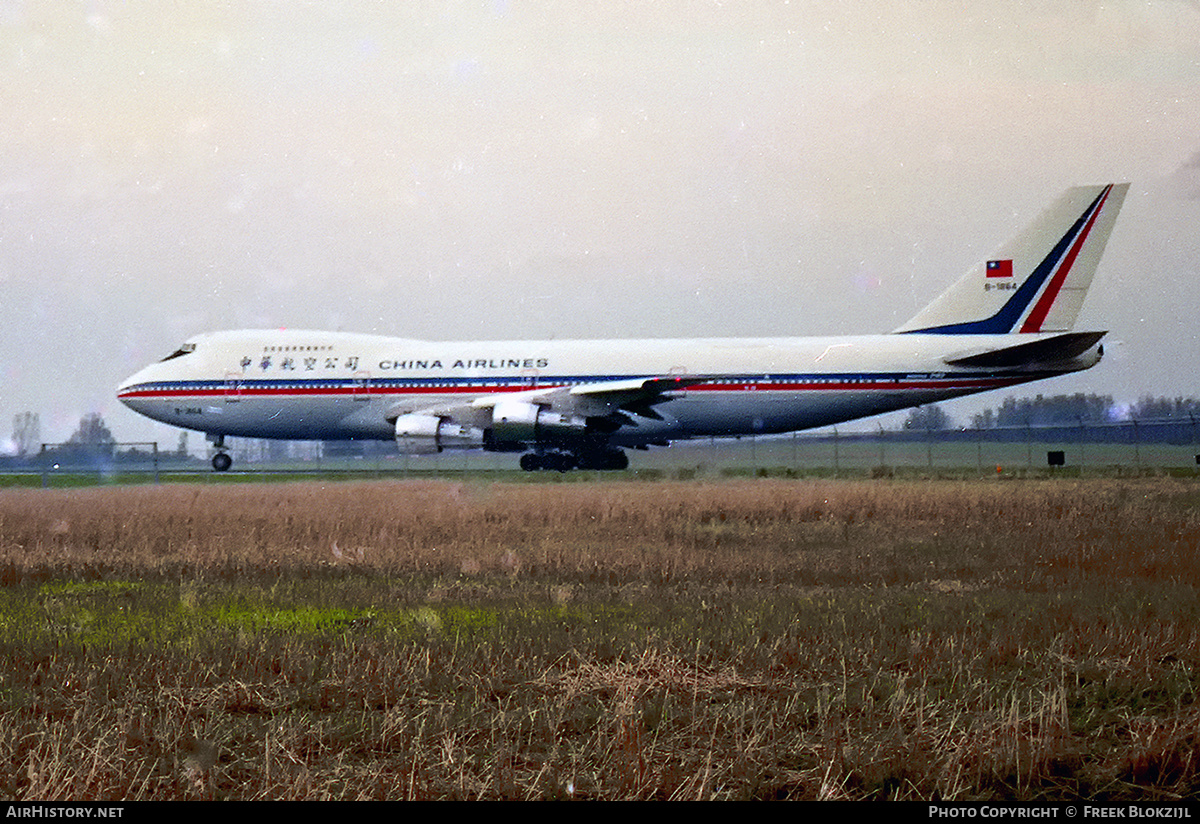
<point>269,363</point>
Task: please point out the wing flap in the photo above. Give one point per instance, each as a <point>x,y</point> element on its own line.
<point>639,388</point>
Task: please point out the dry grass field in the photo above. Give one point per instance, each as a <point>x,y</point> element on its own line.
<point>799,639</point>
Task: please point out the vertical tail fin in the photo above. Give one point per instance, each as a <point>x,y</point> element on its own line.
<point>1035,282</point>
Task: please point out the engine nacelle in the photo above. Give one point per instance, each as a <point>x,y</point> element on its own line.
<point>517,421</point>
<point>429,434</point>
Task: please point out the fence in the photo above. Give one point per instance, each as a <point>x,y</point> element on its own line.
<point>985,451</point>
<point>1087,448</point>
<point>103,460</point>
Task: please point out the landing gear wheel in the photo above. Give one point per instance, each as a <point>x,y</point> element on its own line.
<point>558,461</point>
<point>221,462</point>
<point>554,461</point>
<point>609,459</point>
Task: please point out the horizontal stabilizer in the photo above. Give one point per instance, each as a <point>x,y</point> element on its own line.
<point>1046,350</point>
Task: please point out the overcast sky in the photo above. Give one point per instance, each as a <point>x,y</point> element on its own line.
<point>512,169</point>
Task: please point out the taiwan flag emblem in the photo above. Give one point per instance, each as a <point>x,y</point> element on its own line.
<point>999,268</point>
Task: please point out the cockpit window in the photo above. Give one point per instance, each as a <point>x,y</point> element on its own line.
<point>185,349</point>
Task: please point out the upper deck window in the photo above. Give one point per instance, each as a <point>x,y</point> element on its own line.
<point>185,349</point>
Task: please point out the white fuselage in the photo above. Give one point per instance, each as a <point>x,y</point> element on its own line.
<point>336,386</point>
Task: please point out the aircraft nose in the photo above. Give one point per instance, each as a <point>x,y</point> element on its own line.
<point>125,394</point>
<point>130,391</point>
<point>126,387</point>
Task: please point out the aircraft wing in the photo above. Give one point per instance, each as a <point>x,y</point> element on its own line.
<point>637,395</point>
<point>600,399</point>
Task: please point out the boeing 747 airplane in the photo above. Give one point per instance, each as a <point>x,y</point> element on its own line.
<point>579,403</point>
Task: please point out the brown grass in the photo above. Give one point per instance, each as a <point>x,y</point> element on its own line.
<point>754,639</point>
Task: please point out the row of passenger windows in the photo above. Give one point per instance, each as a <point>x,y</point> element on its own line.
<point>383,383</point>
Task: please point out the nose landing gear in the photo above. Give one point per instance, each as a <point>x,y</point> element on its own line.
<point>221,461</point>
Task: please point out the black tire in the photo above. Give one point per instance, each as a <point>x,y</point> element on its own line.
<point>609,459</point>
<point>221,462</point>
<point>530,462</point>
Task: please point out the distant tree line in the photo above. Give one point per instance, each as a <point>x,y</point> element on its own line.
<point>1079,409</point>
<point>928,418</point>
<point>27,433</point>
<point>94,433</point>
<point>1083,409</point>
<point>1055,410</point>
<point>92,442</point>
<point>1180,409</point>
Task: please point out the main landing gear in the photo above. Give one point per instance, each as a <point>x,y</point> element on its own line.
<point>605,459</point>
<point>221,461</point>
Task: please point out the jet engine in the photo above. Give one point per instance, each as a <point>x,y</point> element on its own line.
<point>521,422</point>
<point>428,434</point>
